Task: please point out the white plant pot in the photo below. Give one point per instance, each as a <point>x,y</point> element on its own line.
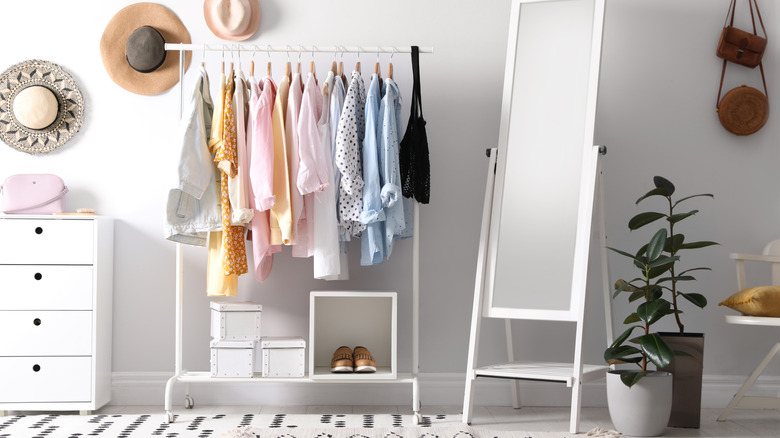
<point>643,409</point>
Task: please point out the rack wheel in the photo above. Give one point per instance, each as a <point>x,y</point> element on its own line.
<point>169,416</point>
<point>188,402</point>
<point>418,418</point>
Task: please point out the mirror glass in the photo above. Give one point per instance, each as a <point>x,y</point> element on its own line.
<point>540,163</point>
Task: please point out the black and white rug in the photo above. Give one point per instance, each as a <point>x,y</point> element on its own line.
<point>192,425</point>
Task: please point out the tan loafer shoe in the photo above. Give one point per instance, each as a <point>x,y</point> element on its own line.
<point>343,361</point>
<point>364,362</point>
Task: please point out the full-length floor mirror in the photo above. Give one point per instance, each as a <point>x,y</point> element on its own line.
<point>534,247</point>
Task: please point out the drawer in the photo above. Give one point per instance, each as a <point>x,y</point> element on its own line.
<point>46,241</point>
<point>45,287</point>
<point>45,379</point>
<point>45,333</point>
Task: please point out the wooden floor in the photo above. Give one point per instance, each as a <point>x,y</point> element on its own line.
<point>742,423</point>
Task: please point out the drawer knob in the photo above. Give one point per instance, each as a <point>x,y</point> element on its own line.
<point>36,367</point>
<point>38,230</point>
<point>38,276</point>
<point>37,321</point>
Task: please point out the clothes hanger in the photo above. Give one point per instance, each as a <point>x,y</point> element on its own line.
<point>376,66</point>
<point>268,68</point>
<point>357,65</point>
<point>341,63</point>
<point>333,66</point>
<point>287,66</point>
<point>390,65</point>
<point>252,61</point>
<point>312,71</point>
<point>298,64</point>
<point>222,65</point>
<point>203,59</point>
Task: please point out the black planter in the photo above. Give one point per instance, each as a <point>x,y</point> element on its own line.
<point>687,372</point>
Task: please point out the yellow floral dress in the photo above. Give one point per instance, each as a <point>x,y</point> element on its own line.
<point>233,243</point>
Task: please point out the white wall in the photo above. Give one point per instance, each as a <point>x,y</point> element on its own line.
<point>655,114</point>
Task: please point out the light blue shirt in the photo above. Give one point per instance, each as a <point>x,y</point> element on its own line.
<point>372,240</point>
<point>397,209</point>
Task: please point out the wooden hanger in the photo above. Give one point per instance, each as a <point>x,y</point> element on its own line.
<point>268,67</point>
<point>287,71</point>
<point>390,65</point>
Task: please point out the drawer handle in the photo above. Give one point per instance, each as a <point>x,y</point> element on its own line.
<point>37,321</point>
<point>38,230</point>
<point>36,367</point>
<point>38,276</point>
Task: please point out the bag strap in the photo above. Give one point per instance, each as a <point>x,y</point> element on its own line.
<point>733,9</point>
<point>416,93</point>
<point>723,74</point>
<point>41,204</point>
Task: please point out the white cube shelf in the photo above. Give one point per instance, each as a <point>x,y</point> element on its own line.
<point>367,319</point>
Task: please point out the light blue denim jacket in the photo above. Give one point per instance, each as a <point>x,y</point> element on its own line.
<point>193,206</point>
<point>372,241</point>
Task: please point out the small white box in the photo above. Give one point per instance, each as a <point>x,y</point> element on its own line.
<point>232,358</point>
<point>235,321</point>
<point>283,357</point>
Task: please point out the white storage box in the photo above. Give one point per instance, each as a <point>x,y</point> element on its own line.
<point>232,358</point>
<point>282,357</point>
<point>235,321</point>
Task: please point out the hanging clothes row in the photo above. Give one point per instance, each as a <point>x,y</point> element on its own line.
<point>311,165</point>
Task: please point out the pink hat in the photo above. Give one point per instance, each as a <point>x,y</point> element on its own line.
<point>233,20</point>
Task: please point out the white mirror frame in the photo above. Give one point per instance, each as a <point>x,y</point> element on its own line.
<point>579,268</point>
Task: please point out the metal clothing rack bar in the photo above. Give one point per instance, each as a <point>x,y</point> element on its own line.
<point>180,375</point>
<point>290,48</point>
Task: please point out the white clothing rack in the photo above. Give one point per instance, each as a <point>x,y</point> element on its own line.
<point>187,377</point>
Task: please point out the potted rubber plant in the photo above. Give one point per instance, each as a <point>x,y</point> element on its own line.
<point>677,282</point>
<point>640,397</point>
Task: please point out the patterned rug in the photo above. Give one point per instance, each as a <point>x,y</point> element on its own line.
<point>191,425</point>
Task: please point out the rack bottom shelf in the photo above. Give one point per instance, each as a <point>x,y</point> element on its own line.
<point>382,376</point>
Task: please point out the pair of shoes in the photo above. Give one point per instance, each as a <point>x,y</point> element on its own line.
<point>347,361</point>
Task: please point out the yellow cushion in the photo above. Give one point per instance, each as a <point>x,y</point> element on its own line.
<point>756,301</point>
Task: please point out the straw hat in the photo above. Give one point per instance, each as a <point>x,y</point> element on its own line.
<point>133,48</point>
<point>41,107</point>
<point>234,20</point>
<point>743,110</point>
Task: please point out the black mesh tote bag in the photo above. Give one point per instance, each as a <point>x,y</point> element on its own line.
<point>414,161</point>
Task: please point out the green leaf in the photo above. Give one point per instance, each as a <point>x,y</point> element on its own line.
<point>673,219</point>
<point>656,350</point>
<point>701,244</point>
<point>629,378</point>
<point>621,352</point>
<point>702,268</point>
<point>654,192</point>
<point>635,296</point>
<point>677,278</point>
<point>663,261</point>
<point>623,253</point>
<point>692,196</point>
<point>655,293</point>
<point>697,299</point>
<point>643,219</point>
<point>656,245</point>
<point>673,243</point>
<point>652,311</point>
<point>623,336</point>
<point>659,270</point>
<point>632,318</point>
<point>663,183</point>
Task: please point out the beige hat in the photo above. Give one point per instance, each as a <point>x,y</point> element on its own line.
<point>234,20</point>
<point>133,48</point>
<point>41,107</point>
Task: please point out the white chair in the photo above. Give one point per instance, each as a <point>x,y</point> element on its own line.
<point>771,255</point>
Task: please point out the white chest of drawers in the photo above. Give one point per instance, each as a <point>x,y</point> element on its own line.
<point>56,286</point>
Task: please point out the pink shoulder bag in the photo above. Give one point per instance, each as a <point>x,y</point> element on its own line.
<point>33,194</point>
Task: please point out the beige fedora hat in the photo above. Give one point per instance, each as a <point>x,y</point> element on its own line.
<point>133,48</point>
<point>233,20</point>
<point>41,107</point>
